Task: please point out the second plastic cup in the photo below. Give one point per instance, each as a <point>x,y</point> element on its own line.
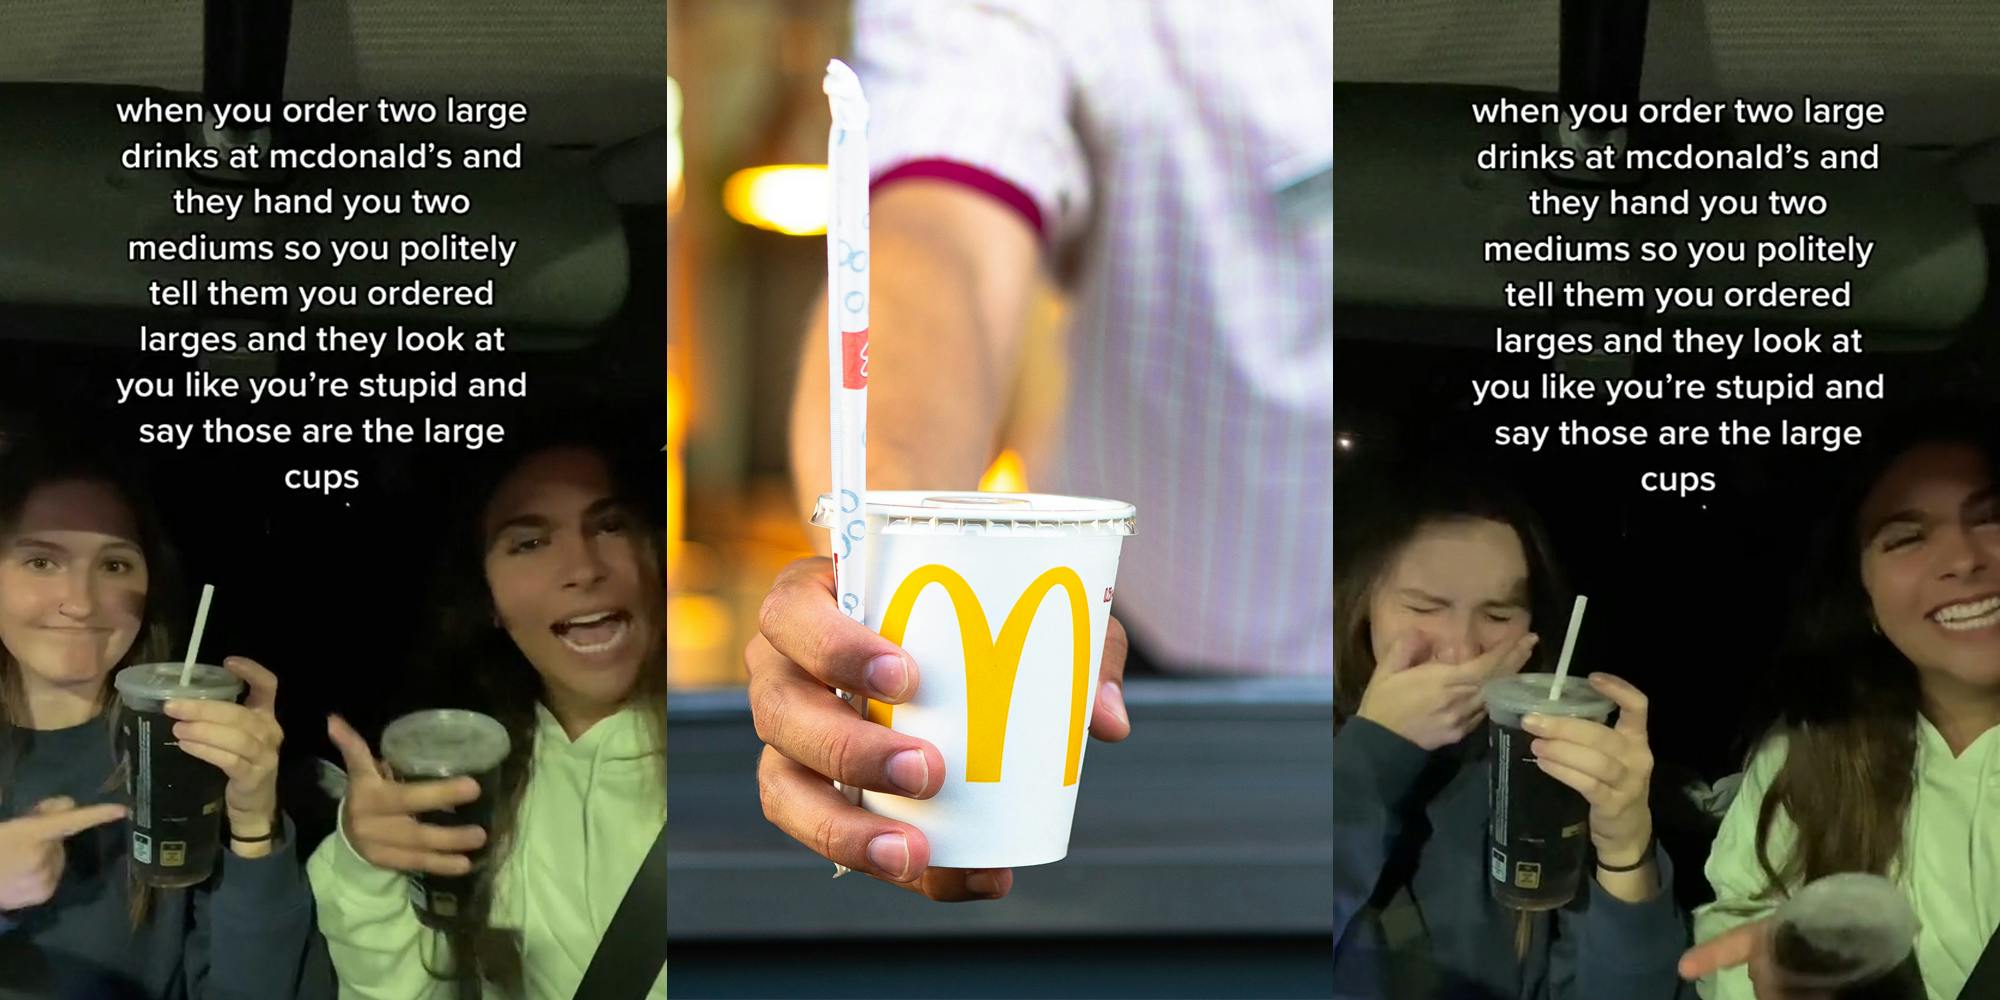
<point>176,797</point>
<point>1538,829</point>
<point>1003,599</point>
<point>432,746</point>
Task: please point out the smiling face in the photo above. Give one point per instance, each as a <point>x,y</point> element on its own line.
<point>72,584</point>
<point>1930,561</point>
<point>1460,585</point>
<point>565,567</point>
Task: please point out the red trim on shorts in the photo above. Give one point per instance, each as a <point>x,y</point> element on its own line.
<point>983,181</point>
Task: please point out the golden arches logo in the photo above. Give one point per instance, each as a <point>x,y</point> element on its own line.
<point>991,662</point>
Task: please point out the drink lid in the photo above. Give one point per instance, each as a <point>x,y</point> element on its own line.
<point>930,512</point>
<point>1857,926</point>
<point>1522,694</point>
<point>444,742</point>
<point>162,681</point>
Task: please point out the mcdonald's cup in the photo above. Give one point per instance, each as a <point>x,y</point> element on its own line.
<point>1003,600</point>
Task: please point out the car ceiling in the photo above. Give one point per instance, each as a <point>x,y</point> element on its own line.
<point>603,64</point>
<point>1930,63</point>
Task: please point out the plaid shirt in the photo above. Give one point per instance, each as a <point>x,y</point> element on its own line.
<point>1159,147</point>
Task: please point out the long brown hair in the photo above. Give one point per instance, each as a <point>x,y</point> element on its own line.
<point>504,684</point>
<point>43,463</point>
<point>1851,697</point>
<point>1379,511</point>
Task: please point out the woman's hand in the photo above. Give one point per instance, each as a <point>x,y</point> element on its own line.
<point>31,848</point>
<point>1435,704</point>
<point>1749,945</point>
<point>380,813</point>
<point>1611,767</point>
<point>243,741</point>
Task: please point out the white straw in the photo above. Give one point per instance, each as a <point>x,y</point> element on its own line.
<point>194,640</point>
<point>847,294</point>
<point>1569,646</point>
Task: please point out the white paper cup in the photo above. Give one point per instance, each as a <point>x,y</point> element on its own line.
<point>1003,600</point>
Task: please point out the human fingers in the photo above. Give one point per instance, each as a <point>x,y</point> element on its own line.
<point>1724,951</point>
<point>407,833</point>
<point>807,723</point>
<point>807,809</point>
<point>802,620</point>
<point>1589,786</point>
<point>360,762</point>
<point>54,820</point>
<point>233,764</point>
<point>1405,651</point>
<point>1600,767</point>
<point>1582,732</point>
<point>404,859</point>
<point>962,885</point>
<point>263,684</point>
<point>1632,703</point>
<point>235,736</point>
<point>1109,720</point>
<point>409,798</point>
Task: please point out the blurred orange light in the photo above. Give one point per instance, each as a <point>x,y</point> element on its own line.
<point>1005,475</point>
<point>786,198</point>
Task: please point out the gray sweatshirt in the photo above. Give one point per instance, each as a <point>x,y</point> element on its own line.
<point>1413,918</point>
<point>246,934</point>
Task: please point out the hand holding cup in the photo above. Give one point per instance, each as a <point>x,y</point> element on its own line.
<point>1611,767</point>
<point>240,740</point>
<point>380,813</point>
<point>804,650</point>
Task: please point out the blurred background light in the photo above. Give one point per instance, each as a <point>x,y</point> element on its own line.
<point>785,198</point>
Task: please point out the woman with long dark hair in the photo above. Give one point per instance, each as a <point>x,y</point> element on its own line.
<point>87,588</point>
<point>550,622</point>
<point>1884,759</point>
<point>1438,581</point>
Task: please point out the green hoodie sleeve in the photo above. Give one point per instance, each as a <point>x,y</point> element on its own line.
<point>377,944</point>
<point>1735,875</point>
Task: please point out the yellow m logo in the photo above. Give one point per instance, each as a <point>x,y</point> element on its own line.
<point>990,663</point>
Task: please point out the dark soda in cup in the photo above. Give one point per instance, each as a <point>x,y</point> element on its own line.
<point>1850,936</point>
<point>436,745</point>
<point>1538,829</point>
<point>176,797</point>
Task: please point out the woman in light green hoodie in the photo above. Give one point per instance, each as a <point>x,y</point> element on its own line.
<point>558,635</point>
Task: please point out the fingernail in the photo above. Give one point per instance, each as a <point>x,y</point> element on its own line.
<point>888,676</point>
<point>1113,697</point>
<point>910,772</point>
<point>983,884</point>
<point>890,854</point>
<point>1531,723</point>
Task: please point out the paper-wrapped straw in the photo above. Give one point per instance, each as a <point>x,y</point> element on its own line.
<point>847,340</point>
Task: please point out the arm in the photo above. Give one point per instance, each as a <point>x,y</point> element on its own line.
<point>1624,941</point>
<point>1375,773</point>
<point>252,929</point>
<point>952,272</point>
<point>372,934</point>
<point>1736,876</point>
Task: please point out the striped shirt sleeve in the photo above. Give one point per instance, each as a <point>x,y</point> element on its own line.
<point>976,93</point>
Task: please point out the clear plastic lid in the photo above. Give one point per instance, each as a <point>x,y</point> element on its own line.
<point>162,682</point>
<point>1843,930</point>
<point>1510,698</point>
<point>932,512</point>
<point>445,743</point>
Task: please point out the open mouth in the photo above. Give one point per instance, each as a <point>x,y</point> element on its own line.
<point>596,632</point>
<point>1966,616</point>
